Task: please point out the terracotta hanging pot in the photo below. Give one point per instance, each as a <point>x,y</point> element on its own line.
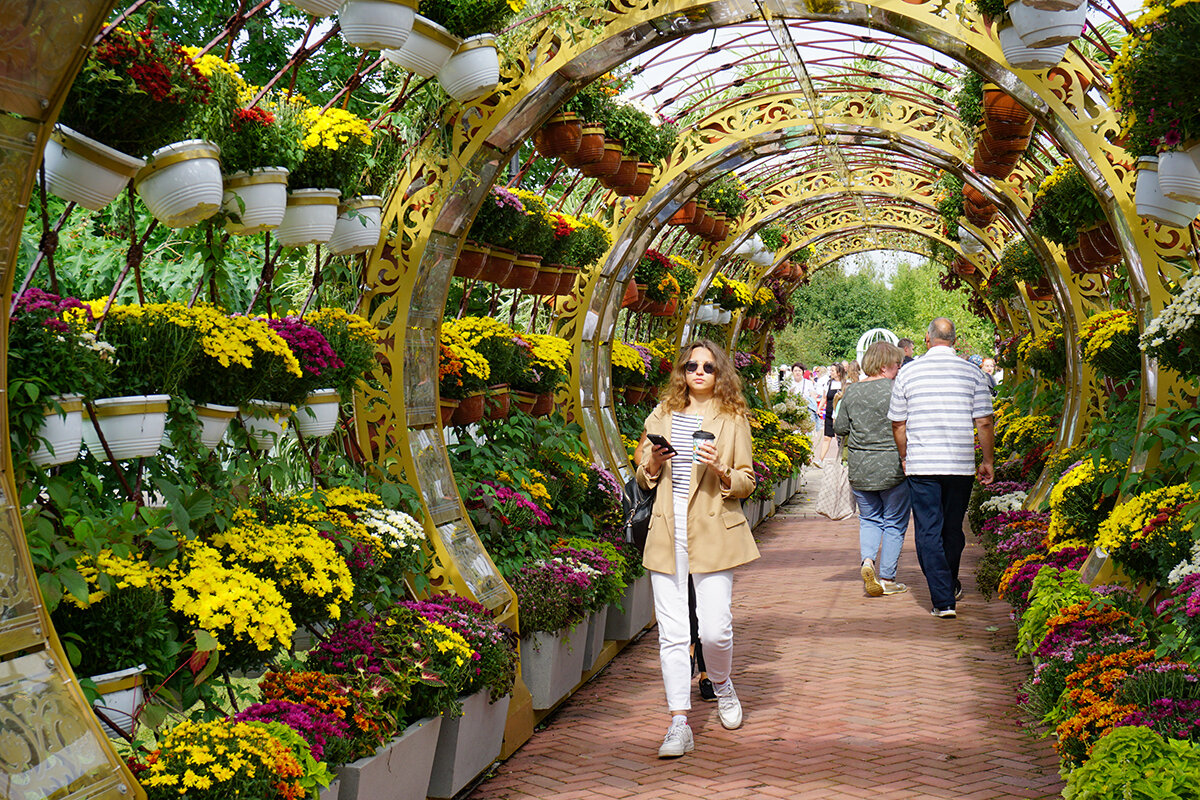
<point>566,281</point>
<point>546,281</point>
<point>685,214</point>
<point>630,298</point>
<point>499,263</point>
<point>591,147</point>
<point>1003,116</point>
<point>561,134</point>
<point>497,402</point>
<point>634,394</point>
<point>609,162</point>
<point>667,309</point>
<point>641,182</point>
<point>963,266</point>
<point>471,260</point>
<point>543,405</point>
<point>1041,290</point>
<point>705,225</point>
<point>470,410</point>
<point>994,167</point>
<point>1098,245</point>
<point>625,176</point>
<point>446,407</point>
<point>524,273</point>
<point>524,400</point>
<point>718,229</point>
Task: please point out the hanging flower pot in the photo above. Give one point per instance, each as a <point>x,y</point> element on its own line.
<point>1041,290</point>
<point>978,210</point>
<point>634,394</point>
<point>523,273</point>
<point>641,181</point>
<point>1153,204</point>
<point>630,298</point>
<point>719,228</point>
<point>214,421</point>
<point>474,69</point>
<point>317,8</point>
<point>181,183</point>
<point>1022,56</point>
<point>470,410</point>
<point>377,24</point>
<point>310,218</point>
<point>256,201</point>
<point>566,281</point>
<point>358,225</point>
<point>697,222</point>
<point>1040,28</point>
<point>591,147</point>
<point>318,415</point>
<point>63,433</point>
<point>546,281</point>
<point>132,426</point>
<point>524,400</point>
<point>471,260</point>
<point>1098,245</point>
<point>1053,5</point>
<point>498,265</point>
<point>624,177</point>
<point>497,402</point>
<point>1179,177</point>
<point>685,214</point>
<point>562,134</point>
<point>608,163</point>
<point>543,405</point>
<point>668,308</point>
<point>447,407</point>
<point>963,266</point>
<point>992,166</point>
<point>265,422</point>
<point>706,314</point>
<point>1004,117</point>
<point>84,171</point>
<point>121,699</point>
<point>426,50</point>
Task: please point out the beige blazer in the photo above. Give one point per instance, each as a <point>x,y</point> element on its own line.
<point>718,535</point>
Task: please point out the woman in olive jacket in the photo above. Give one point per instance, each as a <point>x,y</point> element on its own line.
<point>698,527</point>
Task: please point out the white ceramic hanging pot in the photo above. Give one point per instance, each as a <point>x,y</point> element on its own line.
<point>318,8</point>
<point>724,317</point>
<point>121,699</point>
<point>63,433</point>
<point>1053,5</point>
<point>310,218</point>
<point>318,416</point>
<point>427,50</point>
<point>214,421</point>
<point>264,422</point>
<point>358,226</point>
<point>255,200</point>
<point>181,183</point>
<point>1021,56</point>
<point>762,258</point>
<point>1153,204</point>
<point>1039,28</point>
<point>1178,177</point>
<point>84,171</point>
<point>377,24</point>
<point>473,70</point>
<point>133,426</point>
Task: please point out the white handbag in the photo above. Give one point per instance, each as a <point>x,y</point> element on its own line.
<point>835,500</point>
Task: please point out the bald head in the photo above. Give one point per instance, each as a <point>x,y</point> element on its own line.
<point>941,331</point>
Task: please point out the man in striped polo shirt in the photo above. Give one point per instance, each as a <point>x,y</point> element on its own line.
<point>938,403</point>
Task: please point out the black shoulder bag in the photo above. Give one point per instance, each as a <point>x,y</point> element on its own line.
<point>637,504</point>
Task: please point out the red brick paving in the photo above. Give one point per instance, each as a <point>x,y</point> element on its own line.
<point>845,696</point>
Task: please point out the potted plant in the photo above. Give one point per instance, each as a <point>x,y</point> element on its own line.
<point>376,24</point>
<point>469,382</point>
<point>354,340</point>
<point>628,366</point>
<point>650,271</point>
<point>545,366</point>
<point>133,95</point>
<point>336,143</point>
<point>498,223</point>
<point>1017,262</point>
<point>536,238</point>
<point>500,347</point>
<point>1046,352</point>
<point>54,362</point>
<point>1063,209</point>
<point>608,572</point>
<point>442,26</point>
<point>1109,341</point>
<point>1173,337</point>
<point>312,390</point>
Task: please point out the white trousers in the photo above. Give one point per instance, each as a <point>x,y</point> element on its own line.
<point>714,595</point>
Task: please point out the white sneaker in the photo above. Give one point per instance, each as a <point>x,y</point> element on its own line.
<point>870,581</point>
<point>729,708</point>
<point>892,587</point>
<point>677,742</point>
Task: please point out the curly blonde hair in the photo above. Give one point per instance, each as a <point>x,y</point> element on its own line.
<point>727,386</point>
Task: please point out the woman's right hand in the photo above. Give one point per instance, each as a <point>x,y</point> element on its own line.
<point>658,457</point>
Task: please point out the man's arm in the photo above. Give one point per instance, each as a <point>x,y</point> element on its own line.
<point>900,434</point>
<point>986,430</point>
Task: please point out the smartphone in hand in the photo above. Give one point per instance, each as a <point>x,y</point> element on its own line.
<point>661,441</point>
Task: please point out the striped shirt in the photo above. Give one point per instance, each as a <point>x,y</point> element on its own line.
<point>682,428</point>
<point>938,397</point>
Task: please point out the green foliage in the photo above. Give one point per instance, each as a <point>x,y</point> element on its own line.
<point>127,628</point>
<point>635,130</point>
<point>251,139</point>
<point>772,237</point>
<point>1064,204</point>
<point>466,18</point>
<point>587,244</point>
<point>1052,590</point>
<point>726,194</point>
<point>1136,763</point>
<point>950,204</point>
<point>593,103</point>
<point>969,97</point>
<point>992,9</point>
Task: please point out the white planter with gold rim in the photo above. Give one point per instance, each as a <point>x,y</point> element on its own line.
<point>358,225</point>
<point>81,170</point>
<point>1022,56</point>
<point>133,426</point>
<point>214,421</point>
<point>318,415</point>
<point>1153,204</point>
<point>181,183</point>
<point>473,70</point>
<point>265,421</point>
<point>310,218</point>
<point>255,201</point>
<point>377,24</point>
<point>1038,27</point>
<point>63,433</point>
<point>121,699</point>
<point>427,50</point>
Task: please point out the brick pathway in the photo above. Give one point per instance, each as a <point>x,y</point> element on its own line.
<point>845,696</point>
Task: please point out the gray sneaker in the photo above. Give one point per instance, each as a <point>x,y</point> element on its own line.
<point>677,742</point>
<point>944,613</point>
<point>729,708</point>
<point>892,587</point>
<point>870,582</point>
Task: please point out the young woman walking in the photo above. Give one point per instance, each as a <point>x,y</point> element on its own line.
<point>698,527</point>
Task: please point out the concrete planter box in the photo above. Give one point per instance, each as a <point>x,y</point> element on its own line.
<point>399,771</point>
<point>781,493</point>
<point>551,663</point>
<point>468,745</point>
<point>597,624</point>
<point>331,792</point>
<point>638,605</point>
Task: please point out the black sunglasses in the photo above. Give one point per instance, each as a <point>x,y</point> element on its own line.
<point>692,366</point>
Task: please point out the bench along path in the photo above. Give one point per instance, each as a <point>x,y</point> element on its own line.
<point>845,696</point>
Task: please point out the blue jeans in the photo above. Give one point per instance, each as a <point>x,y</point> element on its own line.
<point>882,520</point>
<point>939,503</point>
